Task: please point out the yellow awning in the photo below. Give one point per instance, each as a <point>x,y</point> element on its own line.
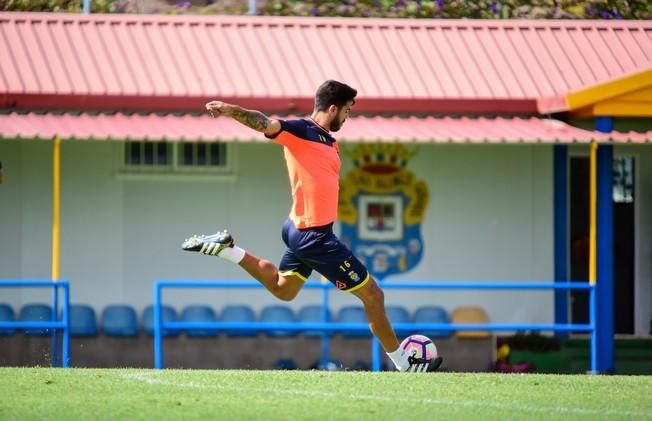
<point>627,96</point>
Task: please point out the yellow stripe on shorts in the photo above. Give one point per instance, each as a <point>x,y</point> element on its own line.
<point>360,285</point>
<point>293,273</point>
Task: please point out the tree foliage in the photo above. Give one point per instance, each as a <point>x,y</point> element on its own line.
<point>424,9</point>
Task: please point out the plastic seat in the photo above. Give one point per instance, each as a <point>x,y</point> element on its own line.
<point>7,315</point>
<point>239,313</point>
<point>168,315</point>
<point>398,314</point>
<point>353,314</point>
<point>433,314</point>
<point>278,314</point>
<point>199,313</point>
<point>312,314</point>
<point>83,321</point>
<point>470,315</point>
<point>36,313</point>
<point>119,320</point>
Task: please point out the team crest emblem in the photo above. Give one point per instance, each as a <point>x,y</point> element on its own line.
<point>382,206</point>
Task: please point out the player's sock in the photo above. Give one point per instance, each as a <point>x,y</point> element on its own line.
<point>399,358</point>
<point>233,254</point>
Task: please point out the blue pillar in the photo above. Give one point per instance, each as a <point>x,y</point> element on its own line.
<point>605,259</point>
<point>561,234</point>
<point>604,124</point>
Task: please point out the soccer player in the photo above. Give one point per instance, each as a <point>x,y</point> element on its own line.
<point>313,163</point>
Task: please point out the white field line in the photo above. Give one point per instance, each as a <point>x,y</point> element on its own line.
<point>150,378</point>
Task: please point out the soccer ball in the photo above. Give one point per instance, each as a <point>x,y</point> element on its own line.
<point>419,346</point>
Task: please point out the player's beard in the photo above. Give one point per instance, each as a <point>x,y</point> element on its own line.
<point>336,124</point>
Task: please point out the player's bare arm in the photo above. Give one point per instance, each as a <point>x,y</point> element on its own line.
<point>250,118</point>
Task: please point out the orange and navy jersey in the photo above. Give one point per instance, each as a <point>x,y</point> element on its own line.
<point>313,163</point>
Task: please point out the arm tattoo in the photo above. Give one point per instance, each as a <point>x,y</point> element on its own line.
<point>253,119</point>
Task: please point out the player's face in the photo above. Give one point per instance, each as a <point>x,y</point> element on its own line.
<point>341,116</point>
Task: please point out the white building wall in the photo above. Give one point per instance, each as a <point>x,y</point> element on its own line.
<point>489,218</point>
<point>643,235</point>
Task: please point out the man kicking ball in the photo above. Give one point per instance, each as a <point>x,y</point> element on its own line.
<point>313,164</point>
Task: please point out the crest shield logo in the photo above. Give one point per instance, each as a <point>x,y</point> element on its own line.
<point>382,206</point>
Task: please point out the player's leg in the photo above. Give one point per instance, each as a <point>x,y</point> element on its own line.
<point>283,286</point>
<point>373,300</point>
<point>329,256</point>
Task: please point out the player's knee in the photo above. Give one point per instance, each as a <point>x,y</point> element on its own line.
<point>285,294</point>
<point>375,296</point>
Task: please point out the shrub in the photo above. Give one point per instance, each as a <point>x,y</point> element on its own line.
<point>419,9</point>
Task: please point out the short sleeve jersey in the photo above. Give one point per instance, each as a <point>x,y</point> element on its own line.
<point>313,163</point>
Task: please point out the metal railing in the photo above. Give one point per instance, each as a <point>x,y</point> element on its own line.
<point>327,327</point>
<point>55,324</point>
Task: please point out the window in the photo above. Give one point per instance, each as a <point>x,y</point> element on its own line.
<point>147,154</point>
<point>168,157</point>
<point>623,182</point>
<point>204,155</point>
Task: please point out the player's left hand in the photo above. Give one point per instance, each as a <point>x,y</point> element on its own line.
<point>217,108</point>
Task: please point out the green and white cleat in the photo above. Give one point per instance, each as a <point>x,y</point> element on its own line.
<point>210,245</point>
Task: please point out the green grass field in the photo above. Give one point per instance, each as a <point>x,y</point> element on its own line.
<point>85,394</point>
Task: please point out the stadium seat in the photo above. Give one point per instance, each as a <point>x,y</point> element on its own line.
<point>119,320</point>
<point>7,315</point>
<point>353,314</point>
<point>312,314</point>
<point>329,365</point>
<point>199,313</point>
<point>433,314</point>
<point>83,321</point>
<point>36,313</point>
<point>398,314</point>
<point>239,313</point>
<point>470,315</point>
<point>168,315</point>
<point>278,314</point>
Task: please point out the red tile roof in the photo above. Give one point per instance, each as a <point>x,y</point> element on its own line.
<point>365,129</point>
<point>276,63</point>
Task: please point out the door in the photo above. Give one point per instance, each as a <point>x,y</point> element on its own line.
<point>624,206</point>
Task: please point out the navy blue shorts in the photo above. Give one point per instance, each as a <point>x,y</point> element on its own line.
<point>319,249</point>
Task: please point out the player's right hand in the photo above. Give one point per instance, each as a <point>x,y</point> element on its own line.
<point>217,108</point>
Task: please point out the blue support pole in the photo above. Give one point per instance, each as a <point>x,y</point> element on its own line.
<point>605,261</point>
<point>65,318</point>
<point>325,336</point>
<point>593,312</point>
<point>55,332</point>
<point>561,234</point>
<point>375,354</point>
<point>158,334</point>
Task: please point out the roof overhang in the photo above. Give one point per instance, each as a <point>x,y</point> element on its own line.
<point>189,128</point>
<point>280,105</point>
<point>626,96</point>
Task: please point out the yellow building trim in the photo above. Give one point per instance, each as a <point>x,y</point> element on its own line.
<point>56,200</point>
<point>641,80</point>
<point>593,213</point>
<point>638,95</point>
<point>622,109</point>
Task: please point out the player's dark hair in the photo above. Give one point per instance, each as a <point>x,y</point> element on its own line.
<point>335,93</point>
